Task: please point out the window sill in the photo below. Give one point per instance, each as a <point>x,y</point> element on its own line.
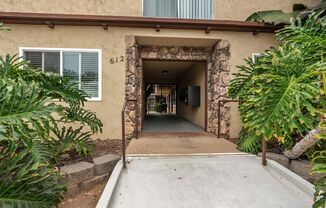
<point>94,100</point>
<point>87,100</point>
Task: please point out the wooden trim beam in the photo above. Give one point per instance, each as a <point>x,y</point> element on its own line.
<point>136,21</point>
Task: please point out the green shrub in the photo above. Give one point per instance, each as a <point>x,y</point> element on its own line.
<point>34,132</point>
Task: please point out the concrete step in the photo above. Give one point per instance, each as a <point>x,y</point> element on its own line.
<point>78,172</point>
<point>105,164</point>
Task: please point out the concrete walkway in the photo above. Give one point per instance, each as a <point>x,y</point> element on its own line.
<point>179,143</point>
<point>169,123</point>
<point>228,181</point>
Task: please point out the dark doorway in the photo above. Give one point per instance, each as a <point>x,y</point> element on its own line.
<point>167,106</point>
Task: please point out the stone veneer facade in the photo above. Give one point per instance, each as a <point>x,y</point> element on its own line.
<point>218,71</point>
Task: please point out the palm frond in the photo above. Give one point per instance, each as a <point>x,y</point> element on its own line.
<point>274,17</point>
<point>278,17</point>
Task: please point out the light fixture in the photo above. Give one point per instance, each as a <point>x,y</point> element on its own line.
<point>165,72</point>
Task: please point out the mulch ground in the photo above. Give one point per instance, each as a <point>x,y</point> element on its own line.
<point>84,199</point>
<point>101,147</point>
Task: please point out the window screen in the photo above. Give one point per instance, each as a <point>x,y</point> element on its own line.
<point>52,62</point>
<point>34,59</point>
<point>89,73</point>
<point>82,68</point>
<point>161,8</point>
<point>46,61</point>
<point>187,9</point>
<point>71,67</point>
<point>195,9</point>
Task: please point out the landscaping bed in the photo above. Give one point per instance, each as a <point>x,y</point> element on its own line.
<point>301,166</point>
<point>87,176</point>
<point>101,147</point>
<point>85,198</point>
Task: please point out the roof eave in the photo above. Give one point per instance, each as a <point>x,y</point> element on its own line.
<point>133,21</point>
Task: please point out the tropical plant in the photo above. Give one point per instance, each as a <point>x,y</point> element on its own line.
<point>27,179</point>
<point>277,17</point>
<point>319,166</point>
<point>283,94</point>
<point>53,86</point>
<point>34,131</point>
<point>249,142</point>
<point>282,87</point>
<point>160,106</point>
<point>319,163</point>
<point>26,183</point>
<point>311,33</point>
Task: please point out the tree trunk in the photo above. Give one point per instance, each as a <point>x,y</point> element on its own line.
<point>308,141</point>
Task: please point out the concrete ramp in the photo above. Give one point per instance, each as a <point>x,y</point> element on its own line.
<point>212,181</point>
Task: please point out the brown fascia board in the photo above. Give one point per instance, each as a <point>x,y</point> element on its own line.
<point>128,21</point>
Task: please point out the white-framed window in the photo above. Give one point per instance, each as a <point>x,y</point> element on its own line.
<point>185,9</point>
<point>256,56</point>
<point>82,66</point>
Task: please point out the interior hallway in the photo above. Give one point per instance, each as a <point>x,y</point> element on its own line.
<point>169,123</point>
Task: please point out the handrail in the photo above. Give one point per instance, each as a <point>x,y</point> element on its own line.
<point>264,145</point>
<point>123,132</point>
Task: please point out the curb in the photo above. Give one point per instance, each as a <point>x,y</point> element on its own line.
<point>110,186</point>
<point>301,183</point>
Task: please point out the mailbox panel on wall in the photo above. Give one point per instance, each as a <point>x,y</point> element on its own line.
<point>194,96</point>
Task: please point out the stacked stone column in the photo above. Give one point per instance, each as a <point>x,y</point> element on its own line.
<point>218,82</point>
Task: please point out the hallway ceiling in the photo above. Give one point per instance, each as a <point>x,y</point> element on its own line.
<point>176,41</point>
<point>153,70</point>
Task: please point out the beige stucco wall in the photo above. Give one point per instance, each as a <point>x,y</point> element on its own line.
<point>223,9</point>
<point>100,7</point>
<point>195,77</point>
<point>112,43</point>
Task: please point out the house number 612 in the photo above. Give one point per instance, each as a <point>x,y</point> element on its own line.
<point>117,59</point>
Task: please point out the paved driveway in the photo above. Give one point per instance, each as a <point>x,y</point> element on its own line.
<point>220,181</point>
